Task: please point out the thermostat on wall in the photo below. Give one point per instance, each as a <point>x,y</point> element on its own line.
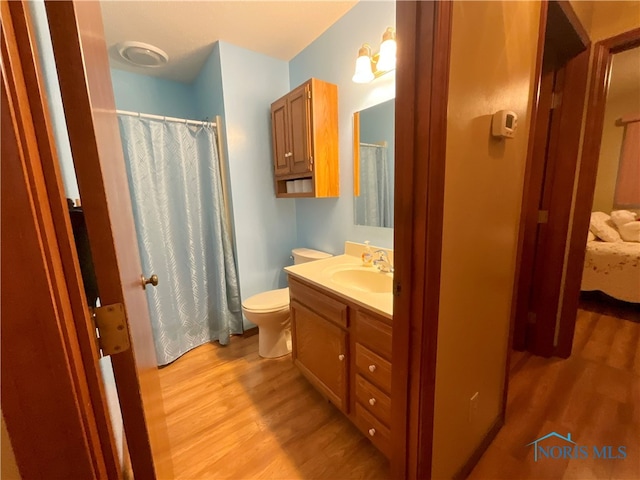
<point>504,123</point>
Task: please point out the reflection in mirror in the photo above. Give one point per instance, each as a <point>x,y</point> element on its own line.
<point>617,185</point>
<point>373,151</point>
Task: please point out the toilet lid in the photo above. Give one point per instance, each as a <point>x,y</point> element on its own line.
<point>268,301</point>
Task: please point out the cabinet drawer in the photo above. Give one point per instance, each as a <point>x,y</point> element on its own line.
<point>375,431</point>
<point>373,367</point>
<point>373,399</point>
<point>325,306</point>
<point>373,333</point>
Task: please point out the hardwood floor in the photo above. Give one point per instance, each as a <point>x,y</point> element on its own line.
<point>594,395</point>
<point>232,414</point>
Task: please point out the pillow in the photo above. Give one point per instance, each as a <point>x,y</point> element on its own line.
<point>590,236</point>
<point>603,228</point>
<point>621,217</point>
<point>630,232</point>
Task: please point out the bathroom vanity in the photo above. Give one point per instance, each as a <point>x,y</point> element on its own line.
<point>342,339</point>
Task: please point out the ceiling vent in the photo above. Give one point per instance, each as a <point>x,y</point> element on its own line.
<point>142,54</point>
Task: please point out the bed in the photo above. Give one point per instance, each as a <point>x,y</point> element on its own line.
<point>613,268</point>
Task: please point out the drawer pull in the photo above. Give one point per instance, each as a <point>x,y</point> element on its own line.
<point>372,368</point>
<point>372,401</point>
<point>372,432</point>
<point>341,357</point>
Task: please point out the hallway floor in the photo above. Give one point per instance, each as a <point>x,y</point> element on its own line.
<point>232,414</point>
<point>594,395</point>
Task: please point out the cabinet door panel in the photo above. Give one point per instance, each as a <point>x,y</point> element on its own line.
<point>320,351</point>
<point>299,130</point>
<point>279,129</point>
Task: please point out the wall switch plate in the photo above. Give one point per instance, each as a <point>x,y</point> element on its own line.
<point>473,407</point>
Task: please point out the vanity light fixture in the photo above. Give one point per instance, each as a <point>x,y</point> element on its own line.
<point>370,66</point>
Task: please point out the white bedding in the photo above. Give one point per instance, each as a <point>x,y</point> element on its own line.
<point>613,268</point>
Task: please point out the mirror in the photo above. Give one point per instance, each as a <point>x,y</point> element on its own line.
<point>373,165</point>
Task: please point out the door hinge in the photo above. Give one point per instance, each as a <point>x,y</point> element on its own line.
<point>543,216</point>
<point>396,289</point>
<point>556,100</point>
<point>112,331</point>
<point>311,160</point>
<point>309,94</point>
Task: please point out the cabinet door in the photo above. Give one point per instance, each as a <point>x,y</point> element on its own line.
<point>320,352</point>
<point>280,136</point>
<point>300,129</point>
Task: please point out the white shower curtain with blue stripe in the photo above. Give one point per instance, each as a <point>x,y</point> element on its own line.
<point>183,236</point>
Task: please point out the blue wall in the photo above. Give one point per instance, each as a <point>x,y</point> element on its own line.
<point>157,96</point>
<point>326,223</point>
<point>265,227</point>
<point>207,87</point>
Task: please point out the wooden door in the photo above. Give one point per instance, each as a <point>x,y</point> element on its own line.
<point>85,83</point>
<point>300,129</point>
<point>320,351</point>
<point>549,178</point>
<point>46,397</point>
<point>280,135</point>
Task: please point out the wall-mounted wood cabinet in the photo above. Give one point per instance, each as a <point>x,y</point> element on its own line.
<point>305,140</point>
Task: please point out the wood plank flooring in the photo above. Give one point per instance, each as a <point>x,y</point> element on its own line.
<point>232,414</point>
<point>594,395</point>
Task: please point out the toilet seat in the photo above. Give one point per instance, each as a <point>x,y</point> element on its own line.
<point>267,302</point>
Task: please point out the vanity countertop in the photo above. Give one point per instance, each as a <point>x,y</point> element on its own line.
<point>320,272</point>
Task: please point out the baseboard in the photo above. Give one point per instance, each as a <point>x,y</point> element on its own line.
<point>250,332</point>
<point>466,469</point>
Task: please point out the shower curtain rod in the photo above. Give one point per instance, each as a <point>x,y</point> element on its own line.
<point>166,119</point>
<point>379,145</point>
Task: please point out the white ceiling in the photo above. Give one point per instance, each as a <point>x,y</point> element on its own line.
<point>187,30</point>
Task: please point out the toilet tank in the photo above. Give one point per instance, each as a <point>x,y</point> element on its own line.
<point>304,255</point>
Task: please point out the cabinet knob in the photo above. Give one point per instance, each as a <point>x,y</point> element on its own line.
<point>372,401</point>
<point>372,368</point>
<point>372,431</point>
<point>341,357</point>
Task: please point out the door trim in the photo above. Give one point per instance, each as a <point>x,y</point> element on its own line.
<point>564,170</point>
<point>422,83</point>
<point>603,52</point>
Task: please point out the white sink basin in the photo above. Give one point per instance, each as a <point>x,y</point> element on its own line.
<point>364,279</point>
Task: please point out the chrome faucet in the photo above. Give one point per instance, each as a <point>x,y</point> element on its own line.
<point>382,261</point>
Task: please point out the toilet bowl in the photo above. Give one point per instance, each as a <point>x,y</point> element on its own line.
<point>270,312</point>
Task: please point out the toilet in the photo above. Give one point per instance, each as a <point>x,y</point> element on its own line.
<point>270,311</point>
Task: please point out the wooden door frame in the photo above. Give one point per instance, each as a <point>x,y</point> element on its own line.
<point>422,83</point>
<point>564,171</point>
<point>603,52</point>
<point>54,407</point>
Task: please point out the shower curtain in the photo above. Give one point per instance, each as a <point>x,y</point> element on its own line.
<point>176,192</point>
<point>373,206</point>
